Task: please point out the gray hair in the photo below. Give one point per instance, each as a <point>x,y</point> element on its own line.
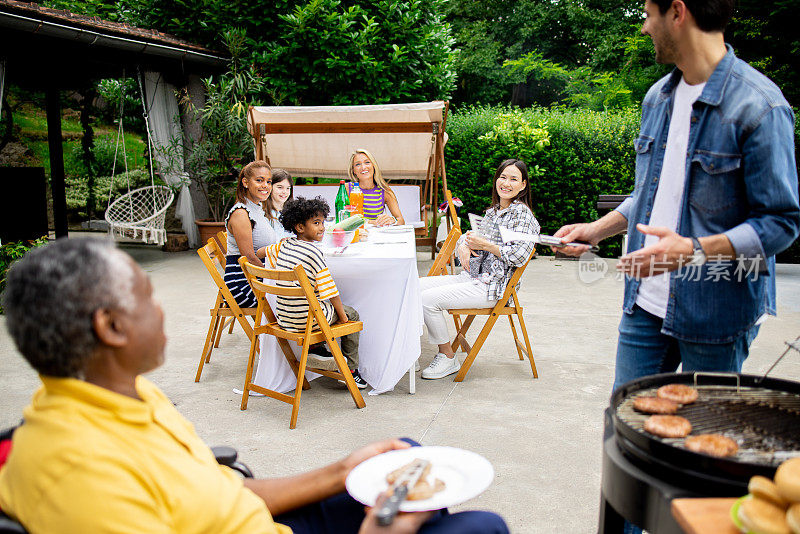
<point>52,294</point>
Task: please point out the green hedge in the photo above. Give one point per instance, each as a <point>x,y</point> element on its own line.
<point>588,154</point>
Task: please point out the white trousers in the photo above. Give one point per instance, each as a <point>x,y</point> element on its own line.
<point>441,293</point>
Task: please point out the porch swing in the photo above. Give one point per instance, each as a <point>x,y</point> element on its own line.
<point>139,213</point>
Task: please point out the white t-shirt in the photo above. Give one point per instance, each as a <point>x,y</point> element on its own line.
<point>654,290</point>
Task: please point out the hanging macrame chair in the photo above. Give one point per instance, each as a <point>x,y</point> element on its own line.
<point>139,213</point>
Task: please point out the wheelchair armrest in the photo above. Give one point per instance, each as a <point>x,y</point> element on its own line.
<point>9,526</point>
<point>227,456</point>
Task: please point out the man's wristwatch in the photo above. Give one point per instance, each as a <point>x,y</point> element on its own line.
<point>698,256</point>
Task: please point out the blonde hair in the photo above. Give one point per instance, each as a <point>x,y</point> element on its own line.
<point>376,170</point>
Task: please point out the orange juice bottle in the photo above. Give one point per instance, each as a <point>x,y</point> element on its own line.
<point>357,199</point>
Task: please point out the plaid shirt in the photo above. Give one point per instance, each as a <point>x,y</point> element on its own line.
<point>497,271</point>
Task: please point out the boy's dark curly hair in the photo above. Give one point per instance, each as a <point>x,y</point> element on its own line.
<point>299,210</point>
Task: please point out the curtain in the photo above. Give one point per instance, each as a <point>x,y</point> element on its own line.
<point>166,135</point>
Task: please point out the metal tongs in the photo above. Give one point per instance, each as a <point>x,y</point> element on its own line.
<point>791,345</point>
<point>404,483</point>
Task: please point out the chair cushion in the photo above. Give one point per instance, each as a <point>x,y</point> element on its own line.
<point>5,448</point>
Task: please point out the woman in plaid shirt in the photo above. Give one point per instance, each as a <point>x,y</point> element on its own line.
<point>491,262</point>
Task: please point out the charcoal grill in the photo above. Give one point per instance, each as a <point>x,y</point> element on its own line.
<point>642,473</point>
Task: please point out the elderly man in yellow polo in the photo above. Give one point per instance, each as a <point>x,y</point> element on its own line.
<point>103,450</point>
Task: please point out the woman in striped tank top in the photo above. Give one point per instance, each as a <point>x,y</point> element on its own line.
<point>378,198</point>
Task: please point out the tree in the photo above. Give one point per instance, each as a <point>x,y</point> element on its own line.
<point>574,34</point>
<point>372,51</point>
<point>764,33</point>
<point>225,143</point>
<point>314,51</point>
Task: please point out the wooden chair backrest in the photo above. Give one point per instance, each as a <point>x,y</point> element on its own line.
<point>451,208</point>
<point>214,260</point>
<point>222,240</point>
<point>444,256</point>
<point>512,283</point>
<point>256,275</point>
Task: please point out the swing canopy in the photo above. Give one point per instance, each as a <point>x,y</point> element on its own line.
<point>316,141</point>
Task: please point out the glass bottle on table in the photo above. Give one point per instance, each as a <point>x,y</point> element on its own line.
<point>342,199</point>
<point>357,199</point>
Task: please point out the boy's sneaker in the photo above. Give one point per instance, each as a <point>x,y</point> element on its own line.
<point>440,367</point>
<point>360,382</point>
<point>322,361</point>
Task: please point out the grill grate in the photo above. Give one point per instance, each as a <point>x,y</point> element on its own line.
<point>764,423</point>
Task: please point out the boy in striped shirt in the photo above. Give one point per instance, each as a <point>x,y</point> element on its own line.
<point>306,219</point>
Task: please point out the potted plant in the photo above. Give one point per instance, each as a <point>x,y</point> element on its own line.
<point>225,145</point>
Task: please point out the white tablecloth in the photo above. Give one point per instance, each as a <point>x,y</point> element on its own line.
<point>379,279</point>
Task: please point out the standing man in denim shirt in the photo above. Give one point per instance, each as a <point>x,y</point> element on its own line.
<point>715,199</point>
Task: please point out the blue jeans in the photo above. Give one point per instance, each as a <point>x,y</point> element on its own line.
<point>643,350</point>
<point>341,514</point>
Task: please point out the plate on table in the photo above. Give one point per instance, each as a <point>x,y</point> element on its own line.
<point>395,229</point>
<point>466,475</point>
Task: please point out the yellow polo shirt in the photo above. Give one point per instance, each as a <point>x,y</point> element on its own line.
<point>91,460</point>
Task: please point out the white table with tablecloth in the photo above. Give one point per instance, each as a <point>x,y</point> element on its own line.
<point>378,278</point>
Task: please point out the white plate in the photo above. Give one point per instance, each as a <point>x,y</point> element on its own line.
<point>465,474</point>
<point>395,229</point>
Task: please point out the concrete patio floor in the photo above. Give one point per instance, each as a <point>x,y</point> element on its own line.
<point>542,436</point>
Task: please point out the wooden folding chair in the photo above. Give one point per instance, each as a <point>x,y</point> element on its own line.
<point>257,276</point>
<point>501,308</point>
<point>225,307</point>
<point>222,241</point>
<point>444,258</point>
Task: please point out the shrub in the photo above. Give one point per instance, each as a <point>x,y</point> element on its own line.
<point>105,146</point>
<point>9,253</point>
<point>78,190</point>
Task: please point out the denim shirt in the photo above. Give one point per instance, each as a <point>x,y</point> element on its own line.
<point>741,181</point>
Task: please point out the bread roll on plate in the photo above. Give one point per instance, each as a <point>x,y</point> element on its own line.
<point>793,518</point>
<point>787,478</point>
<point>762,517</point>
<point>766,490</point>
